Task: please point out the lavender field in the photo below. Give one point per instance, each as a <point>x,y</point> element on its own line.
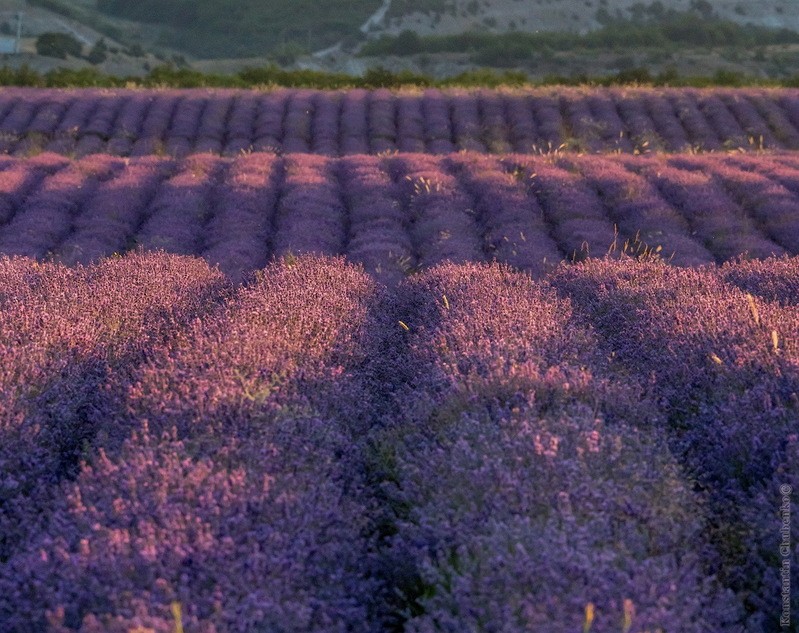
<point>402,213</point>
<point>336,123</point>
<point>292,362</point>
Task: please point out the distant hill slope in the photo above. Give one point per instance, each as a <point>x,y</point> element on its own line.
<point>455,16</point>
<point>229,28</point>
<point>287,28</point>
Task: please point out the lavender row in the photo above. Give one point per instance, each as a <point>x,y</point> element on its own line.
<point>337,123</point>
<point>475,449</point>
<point>532,488</point>
<point>222,479</point>
<point>402,213</point>
<point>722,364</point>
<point>68,338</point>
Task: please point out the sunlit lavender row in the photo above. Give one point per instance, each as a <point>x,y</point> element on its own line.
<point>601,449</point>
<point>335,123</point>
<point>402,213</point>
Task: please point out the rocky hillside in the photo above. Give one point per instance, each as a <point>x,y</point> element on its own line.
<point>226,35</point>
<point>455,16</point>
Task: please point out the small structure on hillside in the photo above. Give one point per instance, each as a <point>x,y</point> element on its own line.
<point>9,44</point>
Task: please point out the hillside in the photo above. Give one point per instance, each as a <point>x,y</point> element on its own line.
<point>233,28</point>
<point>225,36</point>
<point>456,16</point>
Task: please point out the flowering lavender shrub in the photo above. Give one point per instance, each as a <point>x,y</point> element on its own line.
<point>641,214</point>
<point>410,124</point>
<point>239,132</point>
<point>777,120</point>
<point>184,126</point>
<point>101,120</point>
<point>723,365</point>
<point>108,221</point>
<point>772,206</point>
<point>18,180</point>
<point>638,124</point>
<point>722,121</point>
<point>466,124</point>
<point>128,124</point>
<point>177,215</point>
<point>49,115</point>
<point>784,172</point>
<point>78,115</point>
<point>549,122</point>
<point>526,487</point>
<point>610,126</point>
<point>214,120</point>
<point>754,126</point>
<point>40,128</point>
<point>354,126</point>
<point>789,104</point>
<point>310,216</point>
<point>666,121</point>
<point>298,121</point>
<point>269,128</point>
<point>493,122</point>
<point>378,236</point>
<point>46,217</point>
<point>701,208</point>
<point>712,215</point>
<point>472,449</point>
<point>442,223</point>
<point>437,122</point>
<point>773,553</point>
<point>579,222</point>
<point>344,122</point>
<point>155,124</point>
<point>236,495</point>
<point>382,121</point>
<point>14,123</point>
<point>512,223</point>
<point>522,130</point>
<point>774,279</point>
<point>237,237</point>
<point>701,134</point>
<point>581,130</point>
<point>325,132</point>
<point>69,339</point>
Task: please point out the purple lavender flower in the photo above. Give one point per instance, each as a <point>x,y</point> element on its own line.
<point>410,124</point>
<point>354,126</point>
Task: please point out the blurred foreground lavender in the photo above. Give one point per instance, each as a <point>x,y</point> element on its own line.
<point>473,449</point>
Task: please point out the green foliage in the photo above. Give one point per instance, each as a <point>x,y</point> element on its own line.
<point>85,78</point>
<point>288,52</point>
<point>135,50</point>
<point>274,76</point>
<point>651,28</point>
<point>239,28</point>
<point>58,45</point>
<point>99,52</point>
<point>408,40</point>
<point>487,78</point>
<point>403,7</point>
<point>382,78</point>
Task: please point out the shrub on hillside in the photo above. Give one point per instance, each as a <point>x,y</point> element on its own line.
<point>58,45</point>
